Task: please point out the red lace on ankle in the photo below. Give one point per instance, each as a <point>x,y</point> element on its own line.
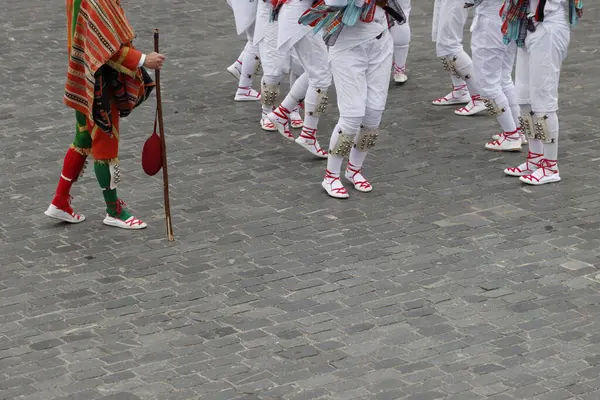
<point>63,203</point>
<point>514,135</point>
<point>548,165</point>
<point>266,122</point>
<point>118,206</point>
<point>454,89</point>
<point>474,100</point>
<point>311,135</point>
<point>282,112</point>
<point>296,118</point>
<point>355,171</point>
<point>69,209</point>
<point>248,91</point>
<point>329,175</point>
<point>531,155</point>
<point>398,69</point>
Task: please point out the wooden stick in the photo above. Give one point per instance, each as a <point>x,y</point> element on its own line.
<point>163,147</point>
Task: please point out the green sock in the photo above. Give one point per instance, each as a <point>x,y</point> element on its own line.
<point>113,206</point>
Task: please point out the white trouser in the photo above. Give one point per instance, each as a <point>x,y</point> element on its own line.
<point>273,62</point>
<point>401,35</point>
<point>449,19</point>
<point>250,47</point>
<point>539,63</point>
<point>296,68</point>
<point>290,31</point>
<point>493,61</point>
<point>406,7</point>
<point>312,53</point>
<point>361,76</point>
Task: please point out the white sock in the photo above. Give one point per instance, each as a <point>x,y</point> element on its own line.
<point>512,102</point>
<point>296,94</point>
<point>334,163</point>
<point>248,67</point>
<point>401,35</point>
<point>293,78</point>
<point>311,118</point>
<point>240,58</point>
<point>266,110</point>
<point>311,122</point>
<point>458,83</point>
<point>506,120</point>
<point>357,157</point>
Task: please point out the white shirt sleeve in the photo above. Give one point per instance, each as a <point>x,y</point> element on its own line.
<point>142,61</point>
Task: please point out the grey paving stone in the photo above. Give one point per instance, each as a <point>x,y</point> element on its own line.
<point>449,281</point>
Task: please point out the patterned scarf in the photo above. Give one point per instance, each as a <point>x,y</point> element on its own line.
<point>333,19</point>
<point>516,22</point>
<point>574,5</point>
<point>97,30</point>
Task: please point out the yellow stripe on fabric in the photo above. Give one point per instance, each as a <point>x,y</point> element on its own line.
<point>121,68</point>
<point>124,53</point>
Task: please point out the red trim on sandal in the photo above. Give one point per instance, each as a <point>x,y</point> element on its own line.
<point>454,89</point>
<point>363,184</point>
<point>545,165</point>
<point>329,175</point>
<point>311,134</point>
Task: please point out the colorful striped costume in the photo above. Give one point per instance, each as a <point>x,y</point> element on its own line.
<point>104,83</point>
<point>100,55</point>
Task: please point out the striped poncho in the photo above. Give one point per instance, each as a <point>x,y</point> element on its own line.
<point>332,19</point>
<point>516,22</point>
<point>98,29</point>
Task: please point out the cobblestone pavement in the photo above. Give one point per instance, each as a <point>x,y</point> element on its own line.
<point>448,281</point>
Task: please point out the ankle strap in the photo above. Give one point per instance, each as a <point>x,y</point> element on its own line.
<point>352,167</point>
<point>550,164</point>
<point>532,155</point>
<point>308,133</point>
<point>329,174</point>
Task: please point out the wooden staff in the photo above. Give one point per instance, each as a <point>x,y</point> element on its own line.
<point>163,147</point>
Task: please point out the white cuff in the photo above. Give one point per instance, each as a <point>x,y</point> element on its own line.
<point>142,61</point>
